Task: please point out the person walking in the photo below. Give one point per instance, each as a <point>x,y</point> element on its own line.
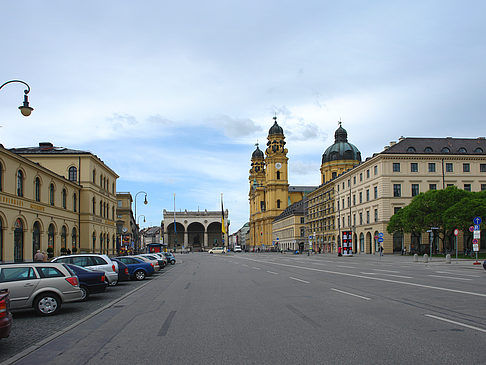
<point>38,257</point>
<point>381,250</point>
<point>45,256</point>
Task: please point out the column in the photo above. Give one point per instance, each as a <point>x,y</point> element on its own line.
<point>205,237</point>
<point>186,239</point>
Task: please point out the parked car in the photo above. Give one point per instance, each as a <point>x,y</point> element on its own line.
<point>137,268</point>
<point>161,260</point>
<point>217,250</point>
<point>153,261</point>
<point>95,262</point>
<point>162,257</point>
<point>90,281</point>
<point>237,249</point>
<point>44,286</point>
<point>5,315</point>
<point>123,274</point>
<point>170,257</point>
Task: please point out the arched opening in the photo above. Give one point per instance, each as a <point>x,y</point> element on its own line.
<point>35,238</point>
<point>63,238</point>
<point>74,241</point>
<point>176,237</point>
<point>368,240</point>
<point>398,242</point>
<point>355,243</point>
<point>51,245</point>
<point>19,241</point>
<point>1,230</point>
<point>101,243</point>
<point>93,247</point>
<point>195,233</point>
<point>415,243</point>
<point>215,234</point>
<point>361,242</point>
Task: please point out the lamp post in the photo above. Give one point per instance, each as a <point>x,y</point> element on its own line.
<point>144,202</point>
<point>25,109</point>
<point>138,224</point>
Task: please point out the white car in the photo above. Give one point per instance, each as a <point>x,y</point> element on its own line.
<point>237,249</point>
<point>93,261</point>
<point>217,250</point>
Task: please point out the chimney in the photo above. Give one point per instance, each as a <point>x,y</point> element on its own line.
<point>46,146</point>
<point>393,143</point>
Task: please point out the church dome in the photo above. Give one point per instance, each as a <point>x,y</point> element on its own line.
<point>275,128</point>
<point>257,154</point>
<point>341,149</point>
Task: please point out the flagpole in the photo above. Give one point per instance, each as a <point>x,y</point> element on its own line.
<point>175,227</point>
<point>223,230</point>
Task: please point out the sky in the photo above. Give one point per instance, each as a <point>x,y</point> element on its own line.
<point>173,95</point>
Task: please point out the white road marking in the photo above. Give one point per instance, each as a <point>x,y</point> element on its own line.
<point>271,272</point>
<point>307,282</point>
<point>354,295</point>
<point>458,323</point>
<point>379,273</point>
<point>374,278</point>
<point>448,277</point>
<point>456,273</point>
<point>396,272</point>
<point>256,268</point>
<point>348,267</point>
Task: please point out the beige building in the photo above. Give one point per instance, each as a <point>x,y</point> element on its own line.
<point>127,228</point>
<point>96,197</point>
<point>39,210</point>
<point>289,228</point>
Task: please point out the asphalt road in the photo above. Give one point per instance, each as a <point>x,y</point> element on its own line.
<point>286,309</point>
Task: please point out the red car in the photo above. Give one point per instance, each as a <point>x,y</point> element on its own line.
<point>5,315</point>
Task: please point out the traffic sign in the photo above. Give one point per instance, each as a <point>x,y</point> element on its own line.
<point>477,220</point>
<point>475,241</point>
<point>471,229</point>
<point>380,235</point>
<point>310,237</point>
<point>477,234</point>
<point>456,232</point>
<point>380,240</point>
<point>476,227</point>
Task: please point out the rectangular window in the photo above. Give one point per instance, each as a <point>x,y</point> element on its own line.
<point>360,197</point>
<point>262,206</point>
<point>367,217</point>
<point>482,167</point>
<point>119,203</point>
<point>432,186</point>
<point>396,209</point>
<point>354,179</point>
<point>367,195</point>
<point>349,183</point>
<point>376,215</point>
<point>361,177</point>
<point>449,167</point>
<point>278,203</point>
<point>415,189</point>
<point>397,190</point>
<point>360,218</point>
<point>367,174</point>
<point>354,199</point>
<point>354,219</point>
<point>467,187</point>
<point>301,220</point>
<point>375,170</point>
<point>466,167</point>
<point>278,175</point>
<point>396,167</point>
<point>431,166</point>
<point>414,167</point>
<point>375,191</point>
<point>483,187</point>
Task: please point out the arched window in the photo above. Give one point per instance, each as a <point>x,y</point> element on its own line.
<point>51,194</point>
<point>462,150</point>
<point>37,189</point>
<point>18,241</point>
<point>445,150</point>
<point>35,238</point>
<point>75,202</point>
<point>411,149</point>
<point>63,236</point>
<point>101,208</point>
<point>477,150</point>
<point>278,175</point>
<point>73,173</point>
<point>428,149</point>
<point>50,240</point>
<point>94,206</point>
<point>20,183</point>
<point>73,240</point>
<point>64,198</point>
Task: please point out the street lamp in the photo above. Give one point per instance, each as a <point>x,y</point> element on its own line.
<point>145,202</point>
<point>141,215</point>
<point>24,109</point>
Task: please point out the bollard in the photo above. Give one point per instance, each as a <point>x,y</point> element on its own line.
<point>415,258</point>
<point>448,258</point>
<point>426,258</point>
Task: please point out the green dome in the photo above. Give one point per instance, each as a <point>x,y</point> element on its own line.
<point>341,149</point>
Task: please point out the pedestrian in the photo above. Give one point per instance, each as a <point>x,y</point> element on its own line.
<point>38,257</point>
<point>381,250</point>
<point>339,251</point>
<point>45,256</point>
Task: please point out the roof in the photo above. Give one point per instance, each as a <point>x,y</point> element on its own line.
<point>341,149</point>
<point>297,208</point>
<point>302,188</point>
<point>47,148</point>
<point>448,145</point>
<point>275,129</point>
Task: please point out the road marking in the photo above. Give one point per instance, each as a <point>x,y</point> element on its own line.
<point>448,277</point>
<point>256,268</point>
<point>348,267</point>
<point>307,282</point>
<point>379,273</point>
<point>271,272</point>
<point>396,272</point>
<point>456,273</point>
<point>354,295</point>
<point>374,278</point>
<point>458,323</point>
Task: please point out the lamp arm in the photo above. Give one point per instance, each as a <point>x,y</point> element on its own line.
<point>26,91</point>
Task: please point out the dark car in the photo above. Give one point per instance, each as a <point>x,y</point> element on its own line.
<point>170,257</point>
<point>484,264</point>
<point>5,315</point>
<point>137,268</point>
<point>123,273</point>
<point>90,281</point>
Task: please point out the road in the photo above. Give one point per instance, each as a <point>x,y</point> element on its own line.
<point>286,309</point>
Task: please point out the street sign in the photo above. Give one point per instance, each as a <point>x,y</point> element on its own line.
<point>475,241</point>
<point>456,232</point>
<point>471,229</point>
<point>380,235</point>
<point>476,227</point>
<point>477,234</point>
<point>380,240</point>
<point>475,247</point>
<point>310,237</point>
<point>477,220</point>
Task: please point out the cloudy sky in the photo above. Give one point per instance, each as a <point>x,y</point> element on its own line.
<point>173,95</point>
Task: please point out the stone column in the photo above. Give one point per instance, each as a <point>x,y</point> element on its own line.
<point>186,239</point>
<point>205,237</point>
<point>166,239</point>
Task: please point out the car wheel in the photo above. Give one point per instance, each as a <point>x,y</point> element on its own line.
<point>113,283</point>
<point>139,275</point>
<point>85,292</point>
<point>47,304</point>
<point>172,262</point>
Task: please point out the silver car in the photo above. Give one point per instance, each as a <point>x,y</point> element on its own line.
<point>43,286</point>
<point>95,262</point>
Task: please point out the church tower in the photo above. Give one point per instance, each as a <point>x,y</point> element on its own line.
<point>256,195</point>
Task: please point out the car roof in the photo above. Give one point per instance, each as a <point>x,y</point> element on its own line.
<point>39,264</point>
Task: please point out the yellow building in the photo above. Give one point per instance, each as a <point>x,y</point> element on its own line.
<point>289,231</point>
<point>96,199</point>
<point>270,193</point>
<point>127,229</point>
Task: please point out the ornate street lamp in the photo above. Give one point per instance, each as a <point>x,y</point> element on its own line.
<point>144,202</point>
<point>25,109</point>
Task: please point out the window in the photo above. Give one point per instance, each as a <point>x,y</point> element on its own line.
<point>396,209</point>
<point>49,272</point>
<point>396,167</point>
<point>361,177</point>
<point>334,174</point>
<point>302,231</point>
<point>349,183</point>
<point>411,149</point>
<point>432,186</point>
<point>354,219</point>
<point>73,174</point>
<point>478,150</point>
<point>343,185</point>
<point>360,197</point>
<point>278,203</point>
<point>367,195</point>
<point>75,202</point>
<point>51,194</point>
<point>462,150</point>
<point>367,174</point>
<point>428,149</point>
<point>354,199</point>
<point>449,167</point>
<point>278,175</point>
<point>119,203</point>
<point>16,274</point>
<point>467,187</point>
<point>338,205</point>
<point>20,183</point>
<point>445,150</point>
<point>113,188</point>
<point>101,181</point>
<point>375,170</point>
<point>466,167</point>
<point>450,185</point>
<point>367,217</point>
<point>397,190</point>
<point>360,218</point>
<point>482,167</point>
<point>431,166</point>
<point>415,189</point>
<point>64,198</point>
<point>483,187</point>
<point>302,220</point>
<point>37,190</point>
<point>1,175</point>
<point>262,206</point>
<point>74,238</point>
<point>354,180</point>
<point>94,206</point>
<point>375,191</point>
<point>101,209</point>
<point>414,167</point>
<point>94,175</point>
<point>376,215</point>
